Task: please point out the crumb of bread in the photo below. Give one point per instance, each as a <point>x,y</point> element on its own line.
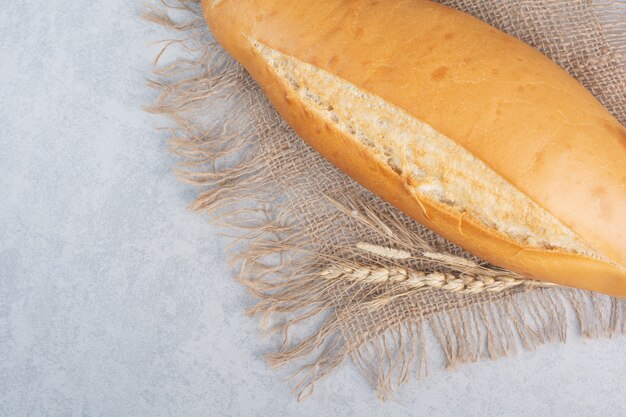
<point>437,167</point>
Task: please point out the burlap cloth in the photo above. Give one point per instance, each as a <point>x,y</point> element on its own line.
<point>297,221</point>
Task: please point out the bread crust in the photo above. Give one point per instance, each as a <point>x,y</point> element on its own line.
<point>503,101</point>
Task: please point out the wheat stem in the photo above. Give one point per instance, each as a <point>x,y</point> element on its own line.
<point>461,284</point>
<point>383,251</point>
<point>451,259</point>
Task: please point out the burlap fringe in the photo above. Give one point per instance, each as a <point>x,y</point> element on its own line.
<point>281,266</point>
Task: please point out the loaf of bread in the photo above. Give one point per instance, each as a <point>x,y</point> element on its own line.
<point>462,127</point>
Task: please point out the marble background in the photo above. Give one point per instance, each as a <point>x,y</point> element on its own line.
<point>117,301</point>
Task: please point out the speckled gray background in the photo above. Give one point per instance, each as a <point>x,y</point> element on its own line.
<point>116,301</point>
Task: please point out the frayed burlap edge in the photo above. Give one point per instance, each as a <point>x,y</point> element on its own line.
<point>362,295</point>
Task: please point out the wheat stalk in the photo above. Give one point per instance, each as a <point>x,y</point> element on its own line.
<point>383,251</point>
<point>450,259</point>
<point>392,253</point>
<point>461,284</point>
<point>471,281</point>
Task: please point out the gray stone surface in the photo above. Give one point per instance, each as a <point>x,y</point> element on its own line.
<point>116,301</point>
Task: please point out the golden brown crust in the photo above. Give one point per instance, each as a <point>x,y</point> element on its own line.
<point>518,112</point>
